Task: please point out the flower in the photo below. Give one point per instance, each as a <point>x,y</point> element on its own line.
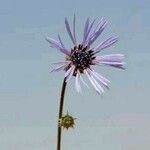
<point>67,121</point>
<point>80,59</point>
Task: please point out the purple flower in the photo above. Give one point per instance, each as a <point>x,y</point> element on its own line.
<point>81,57</point>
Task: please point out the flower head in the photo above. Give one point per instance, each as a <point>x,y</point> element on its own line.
<point>80,59</point>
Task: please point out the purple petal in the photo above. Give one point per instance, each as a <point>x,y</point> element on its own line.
<point>107,43</point>
<point>98,84</point>
<point>69,31</point>
<point>87,32</point>
<point>61,62</point>
<point>83,81</point>
<point>55,44</point>
<point>99,79</point>
<point>69,73</point>
<point>112,63</point>
<point>86,29</point>
<point>100,76</point>
<point>101,26</point>
<point>77,83</point>
<point>89,29</point>
<point>61,41</point>
<point>74,30</point>
<point>62,67</point>
<point>111,57</point>
<point>116,64</point>
<point>102,23</point>
<point>92,82</point>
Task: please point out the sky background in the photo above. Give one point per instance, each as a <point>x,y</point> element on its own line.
<point>29,93</point>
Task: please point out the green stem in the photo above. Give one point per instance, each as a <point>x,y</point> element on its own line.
<point>60,114</point>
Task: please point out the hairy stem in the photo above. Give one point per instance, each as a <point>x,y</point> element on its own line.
<point>60,114</point>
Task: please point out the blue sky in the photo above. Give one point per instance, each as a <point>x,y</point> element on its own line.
<point>29,94</point>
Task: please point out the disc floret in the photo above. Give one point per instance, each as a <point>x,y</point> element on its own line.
<point>81,57</point>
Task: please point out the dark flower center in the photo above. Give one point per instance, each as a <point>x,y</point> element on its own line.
<point>82,57</point>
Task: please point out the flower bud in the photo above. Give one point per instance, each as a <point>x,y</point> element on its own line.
<point>67,121</point>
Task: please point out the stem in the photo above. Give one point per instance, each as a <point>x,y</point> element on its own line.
<point>60,114</point>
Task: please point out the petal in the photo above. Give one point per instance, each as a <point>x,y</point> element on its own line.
<point>92,82</point>
<point>69,31</point>
<point>100,76</point>
<point>86,29</point>
<point>97,84</point>
<point>111,63</point>
<point>99,79</point>
<point>74,30</point>
<point>69,73</point>
<point>116,64</point>
<point>59,68</point>
<point>107,43</point>
<point>61,62</point>
<point>77,83</point>
<point>95,81</point>
<point>83,81</point>
<point>96,29</point>
<point>101,26</point>
<point>57,45</point>
<point>89,30</point>
<point>61,41</point>
<point>111,57</point>
<point>119,66</point>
